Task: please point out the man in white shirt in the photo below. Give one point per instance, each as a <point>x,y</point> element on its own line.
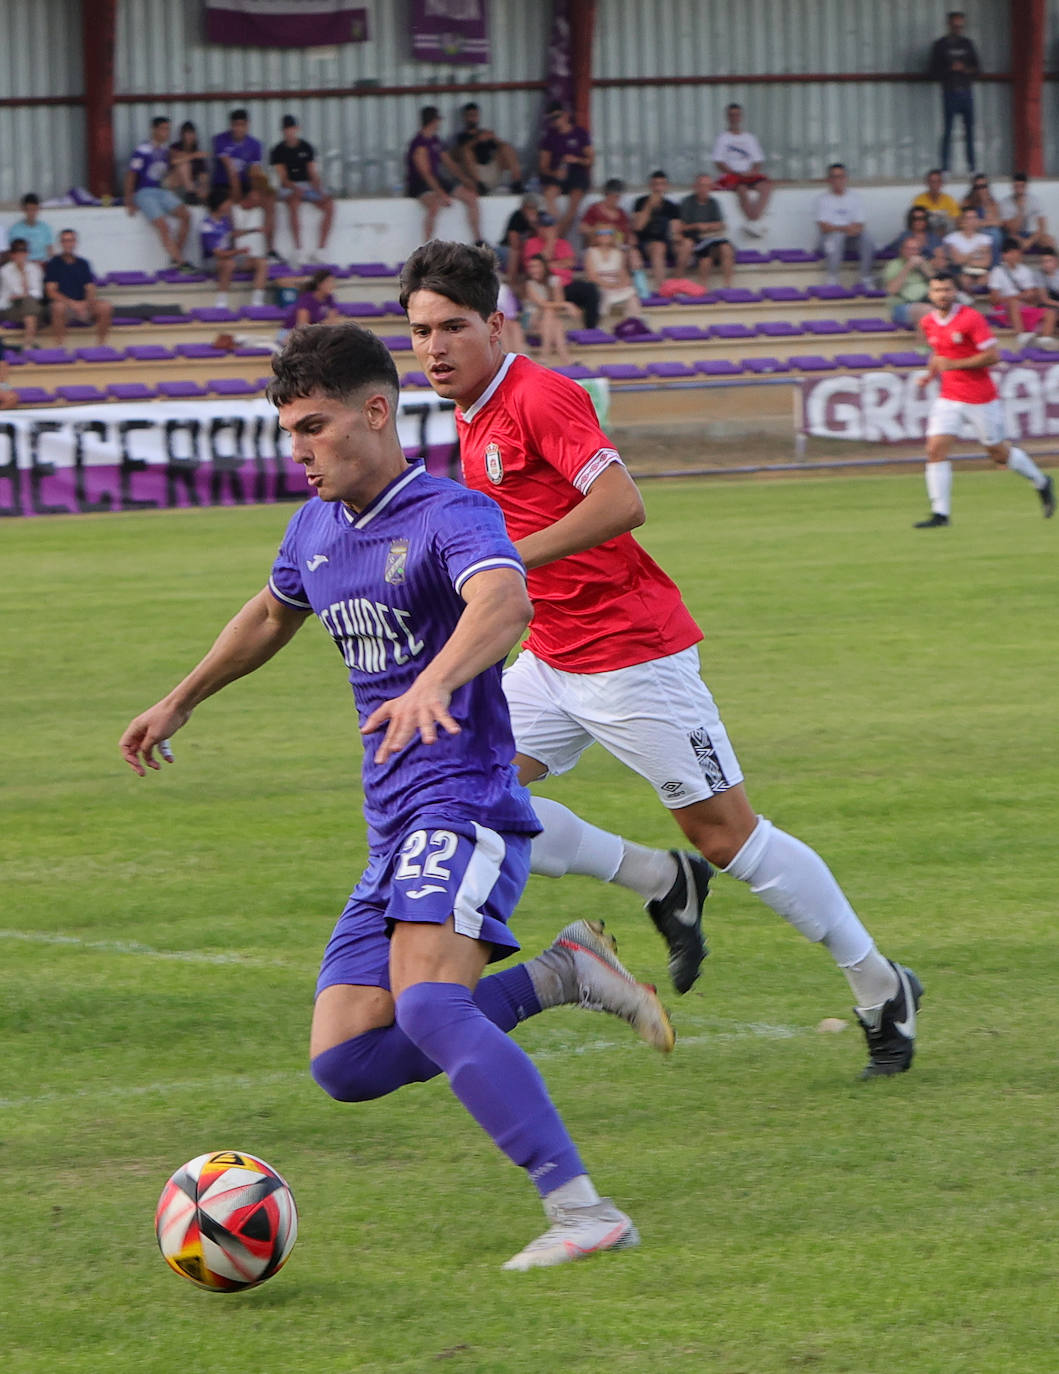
<point>1014,291</point>
<point>967,248</point>
<point>740,161</point>
<point>22,289</point>
<point>840,220</point>
<point>1023,218</point>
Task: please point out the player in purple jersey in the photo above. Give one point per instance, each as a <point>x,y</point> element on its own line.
<point>237,164</point>
<point>419,586</point>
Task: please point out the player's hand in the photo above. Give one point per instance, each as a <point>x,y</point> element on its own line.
<point>149,731</point>
<point>419,710</point>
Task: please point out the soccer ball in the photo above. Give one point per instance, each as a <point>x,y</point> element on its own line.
<point>226,1221</point>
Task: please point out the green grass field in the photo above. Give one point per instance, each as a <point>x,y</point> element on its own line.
<point>891,694</point>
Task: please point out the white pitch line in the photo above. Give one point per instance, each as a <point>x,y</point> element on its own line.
<point>183,956</point>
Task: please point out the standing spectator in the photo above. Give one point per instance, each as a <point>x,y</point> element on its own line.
<point>740,160</point>
<point>652,221</point>
<point>1022,217</point>
<point>145,190</point>
<point>606,267</point>
<point>558,253</point>
<point>486,159</point>
<point>942,210</point>
<point>434,177</point>
<point>225,247</point>
<point>841,222</point>
<point>702,233</point>
<point>191,175</point>
<point>295,162</point>
<point>609,211</point>
<point>71,291</point>
<point>22,289</point>
<point>39,238</point>
<point>981,200</point>
<point>969,249</point>
<point>1016,295</point>
<point>954,62</point>
<point>907,282</point>
<point>522,224</point>
<point>237,165</point>
<point>565,162</point>
<point>547,310</point>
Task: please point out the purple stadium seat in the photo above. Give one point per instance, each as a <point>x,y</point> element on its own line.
<point>15,359</point>
<point>149,353</point>
<point>131,391</point>
<point>33,396</point>
<point>825,327</point>
<point>176,278</point>
<point>80,395</point>
<point>710,298</point>
<point>361,309</point>
<point>215,314</point>
<point>260,350</point>
<point>766,365</point>
<point>648,336</point>
<point>415,379</point>
<point>1006,355</point>
<point>590,336</point>
<point>779,329</point>
<point>871,324</point>
<point>577,372</point>
<point>731,331</point>
<point>855,360</point>
<point>686,333</point>
<point>371,269</point>
<point>49,357</point>
<point>792,255</point>
<point>903,358</point>
<point>102,354</point>
<point>811,362</point>
<point>397,343</point>
<point>622,372</point>
<point>784,293</point>
<point>282,269</point>
<point>736,295</point>
<point>392,308</point>
<point>171,319</point>
<point>198,350</point>
<point>264,313</point>
<point>655,300</point>
<point>130,279</point>
<point>718,367</point>
<point>126,321</point>
<point>830,291</point>
<point>181,391</point>
<point>752,255</point>
<point>670,369</point>
<point>231,386</point>
<point>874,293</point>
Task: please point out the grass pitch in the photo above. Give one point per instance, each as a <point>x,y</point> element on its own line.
<point>891,696</point>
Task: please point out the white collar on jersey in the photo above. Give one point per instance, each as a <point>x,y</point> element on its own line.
<point>948,319</point>
<point>359,519</point>
<point>490,391</point>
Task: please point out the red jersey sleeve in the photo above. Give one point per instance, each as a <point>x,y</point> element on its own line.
<point>560,423</point>
<point>979,331</point>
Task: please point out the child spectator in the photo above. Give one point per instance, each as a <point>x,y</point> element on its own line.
<point>316,304</point>
<point>221,252</point>
<point>22,289</point>
<point>40,240</point>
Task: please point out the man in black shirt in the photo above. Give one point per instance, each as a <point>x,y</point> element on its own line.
<point>486,159</point>
<point>295,164</point>
<point>954,62</point>
<point>652,218</point>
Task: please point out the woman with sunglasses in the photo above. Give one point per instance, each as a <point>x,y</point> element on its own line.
<point>980,198</point>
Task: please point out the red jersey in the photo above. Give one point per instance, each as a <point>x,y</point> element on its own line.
<point>532,442</point>
<point>961,334</point>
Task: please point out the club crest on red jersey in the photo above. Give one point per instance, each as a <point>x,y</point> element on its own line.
<point>494,464</point>
<point>395,561</point>
<point>957,337</point>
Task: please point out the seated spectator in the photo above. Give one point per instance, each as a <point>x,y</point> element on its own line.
<point>1022,217</point>
<point>71,291</point>
<point>486,159</point>
<point>22,289</point>
<point>740,160</point>
<point>609,211</point>
<point>145,190</point>
<point>653,216</point>
<point>559,255</point>
<point>979,198</point>
<point>840,219</point>
<point>1017,297</point>
<point>237,167</point>
<point>8,398</point>
<point>522,224</point>
<point>907,280</point>
<point>1048,278</point>
<point>942,210</point>
<point>969,249</point>
<point>226,247</point>
<point>512,339</point>
<point>917,223</point>
<point>605,265</point>
<point>190,177</point>
<point>547,310</point>
<point>565,164</point>
<point>703,235</point>
<point>315,305</point>
<point>39,238</point>
<point>295,162</point>
<point>433,177</point>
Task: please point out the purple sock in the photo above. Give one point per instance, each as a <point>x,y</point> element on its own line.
<point>507,997</point>
<point>494,1079</point>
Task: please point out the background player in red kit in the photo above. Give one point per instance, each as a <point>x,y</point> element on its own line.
<point>611,654</point>
<point>964,351</point>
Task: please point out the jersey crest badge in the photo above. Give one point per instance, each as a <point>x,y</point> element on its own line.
<point>494,464</point>
<point>957,337</point>
<point>395,561</point>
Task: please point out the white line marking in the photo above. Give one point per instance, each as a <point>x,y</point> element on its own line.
<point>183,956</point>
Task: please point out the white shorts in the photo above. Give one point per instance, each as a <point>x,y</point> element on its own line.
<point>658,718</point>
<point>986,420</point>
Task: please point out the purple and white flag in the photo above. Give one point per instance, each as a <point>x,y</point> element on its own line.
<point>449,30</point>
<point>285,23</point>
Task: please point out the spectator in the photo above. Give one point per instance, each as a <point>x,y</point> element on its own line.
<point>38,235</point>
<point>917,225</point>
<point>907,280</point>
<point>954,62</point>
<point>522,224</point>
<point>145,190</point>
<point>434,177</point>
<point>609,211</point>
<point>237,166</point>
<point>1018,299</point>
<point>981,200</point>
<point>295,162</point>
<point>969,249</point>
<point>559,255</point>
<point>702,233</point>
<point>512,339</point>
<point>316,304</point>
<point>1022,217</point>
<point>1049,278</point>
<point>606,267</point>
<point>739,159</point>
<point>71,291</point>
<point>8,397</point>
<point>841,221</point>
<point>222,251</point>
<point>22,289</point>
<point>191,174</point>
<point>485,159</point>
<point>652,221</point>
<point>565,161</point>
<point>942,210</point>
<point>547,310</point>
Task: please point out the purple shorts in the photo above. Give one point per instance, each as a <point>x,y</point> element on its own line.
<point>434,870</point>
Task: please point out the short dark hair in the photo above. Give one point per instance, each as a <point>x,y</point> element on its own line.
<point>613,184</point>
<point>188,127</point>
<point>942,274</point>
<point>217,197</point>
<point>1019,176</point>
<point>935,172</point>
<point>428,114</point>
<point>657,173</point>
<point>732,105</point>
<point>67,230</point>
<point>471,105</point>
<point>461,273</point>
<point>18,245</point>
<point>1008,243</point>
<point>835,167</point>
<point>240,113</point>
<point>337,360</point>
<point>159,120</point>
<point>31,198</point>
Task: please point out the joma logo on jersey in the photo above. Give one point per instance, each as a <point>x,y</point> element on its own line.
<point>395,562</point>
<point>494,464</point>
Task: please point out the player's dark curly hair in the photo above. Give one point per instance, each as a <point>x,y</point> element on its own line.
<point>462,274</point>
<point>336,360</point>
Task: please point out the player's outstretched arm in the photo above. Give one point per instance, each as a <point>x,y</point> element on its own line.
<point>249,639</point>
<point>613,506</point>
<point>497,612</point>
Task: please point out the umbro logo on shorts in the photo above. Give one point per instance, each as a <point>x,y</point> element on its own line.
<point>708,760</point>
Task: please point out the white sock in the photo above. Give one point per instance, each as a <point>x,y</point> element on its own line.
<point>567,844</point>
<point>220,301</point>
<point>576,1192</point>
<point>257,298</point>
<point>939,487</point>
<point>650,872</point>
<point>872,980</point>
<point>1020,461</point>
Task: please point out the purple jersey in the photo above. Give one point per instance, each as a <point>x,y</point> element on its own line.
<point>310,301</point>
<point>244,153</point>
<point>150,162</point>
<point>416,183</point>
<point>215,232</point>
<point>385,585</point>
<point>558,145</point>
